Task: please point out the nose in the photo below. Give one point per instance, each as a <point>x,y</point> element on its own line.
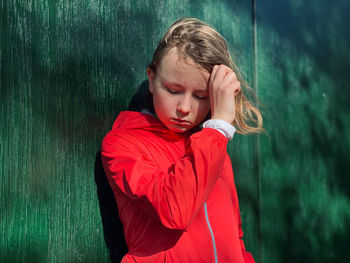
<point>184,105</point>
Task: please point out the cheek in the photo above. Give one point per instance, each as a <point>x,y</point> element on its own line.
<point>205,106</point>
<point>157,104</point>
<point>203,109</point>
<point>161,103</point>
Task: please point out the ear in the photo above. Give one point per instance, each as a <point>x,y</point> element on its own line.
<point>151,77</point>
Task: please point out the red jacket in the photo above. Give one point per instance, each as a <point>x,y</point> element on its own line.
<point>175,192</point>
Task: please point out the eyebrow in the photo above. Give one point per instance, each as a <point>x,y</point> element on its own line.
<point>172,83</point>
<point>179,85</point>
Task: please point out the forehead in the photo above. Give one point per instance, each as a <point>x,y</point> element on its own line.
<point>183,71</point>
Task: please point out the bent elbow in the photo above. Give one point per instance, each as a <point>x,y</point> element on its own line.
<point>177,223</point>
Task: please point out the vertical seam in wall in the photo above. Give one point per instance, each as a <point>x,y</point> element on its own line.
<point>257,138</point>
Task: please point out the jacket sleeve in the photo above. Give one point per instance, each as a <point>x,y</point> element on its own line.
<point>177,194</point>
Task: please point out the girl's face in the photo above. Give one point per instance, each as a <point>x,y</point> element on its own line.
<point>180,92</point>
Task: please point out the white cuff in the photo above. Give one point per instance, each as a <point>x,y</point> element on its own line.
<point>222,126</point>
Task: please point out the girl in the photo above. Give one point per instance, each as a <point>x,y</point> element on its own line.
<point>168,166</point>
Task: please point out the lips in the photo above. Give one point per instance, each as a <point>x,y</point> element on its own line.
<point>181,122</point>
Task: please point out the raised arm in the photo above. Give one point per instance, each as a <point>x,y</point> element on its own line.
<point>176,195</point>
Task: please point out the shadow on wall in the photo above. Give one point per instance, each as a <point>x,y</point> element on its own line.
<point>64,76</point>
<point>306,187</point>
<point>112,226</point>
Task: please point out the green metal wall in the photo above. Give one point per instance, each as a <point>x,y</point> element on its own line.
<point>68,67</point>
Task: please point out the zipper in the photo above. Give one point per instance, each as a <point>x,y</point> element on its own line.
<point>211,232</point>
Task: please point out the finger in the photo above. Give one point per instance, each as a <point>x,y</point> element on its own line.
<point>229,81</point>
<point>221,73</point>
<point>230,77</point>
<point>236,87</point>
<point>213,73</point>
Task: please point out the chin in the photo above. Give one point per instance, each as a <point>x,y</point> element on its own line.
<point>178,128</point>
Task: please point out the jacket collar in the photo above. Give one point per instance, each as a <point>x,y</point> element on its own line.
<point>145,121</point>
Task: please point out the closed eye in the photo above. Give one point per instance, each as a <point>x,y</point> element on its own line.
<point>201,97</point>
<point>175,91</point>
<point>172,91</point>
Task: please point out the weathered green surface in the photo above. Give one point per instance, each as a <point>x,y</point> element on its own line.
<point>68,67</point>
<point>303,64</point>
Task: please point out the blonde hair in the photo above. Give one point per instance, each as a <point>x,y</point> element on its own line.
<point>206,47</point>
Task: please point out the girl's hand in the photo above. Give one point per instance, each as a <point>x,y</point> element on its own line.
<point>223,87</point>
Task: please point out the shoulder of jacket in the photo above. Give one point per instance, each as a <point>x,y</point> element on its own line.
<point>120,138</point>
